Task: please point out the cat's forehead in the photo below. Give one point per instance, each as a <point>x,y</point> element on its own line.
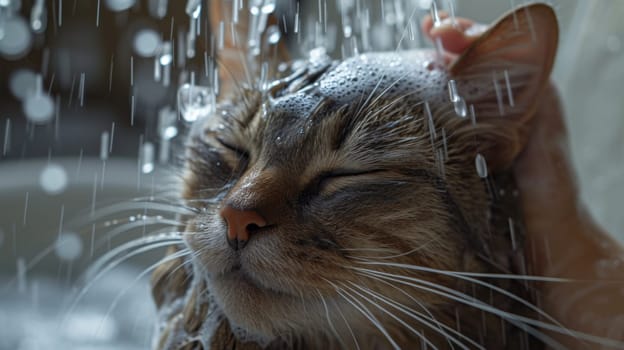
<point>412,75</point>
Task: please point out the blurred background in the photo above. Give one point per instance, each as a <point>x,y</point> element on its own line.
<point>89,117</point>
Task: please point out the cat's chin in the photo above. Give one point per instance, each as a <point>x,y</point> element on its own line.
<point>257,313</point>
<point>249,305</point>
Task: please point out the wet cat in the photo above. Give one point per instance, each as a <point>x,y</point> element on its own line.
<point>362,203</point>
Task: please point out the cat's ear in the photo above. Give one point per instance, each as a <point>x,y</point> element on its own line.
<point>238,62</point>
<point>502,75</point>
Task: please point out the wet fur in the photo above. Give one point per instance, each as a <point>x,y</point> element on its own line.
<point>347,188</point>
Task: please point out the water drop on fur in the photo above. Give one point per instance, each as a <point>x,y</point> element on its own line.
<point>460,107</point>
<point>481,166</point>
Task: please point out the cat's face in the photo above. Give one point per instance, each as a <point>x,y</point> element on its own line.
<point>344,172</point>
<point>312,194</point>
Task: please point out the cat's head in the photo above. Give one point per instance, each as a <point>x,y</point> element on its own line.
<point>340,184</point>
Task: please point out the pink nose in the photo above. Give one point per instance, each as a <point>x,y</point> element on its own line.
<point>241,224</point>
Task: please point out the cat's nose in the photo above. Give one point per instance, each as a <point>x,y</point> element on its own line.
<point>241,224</point>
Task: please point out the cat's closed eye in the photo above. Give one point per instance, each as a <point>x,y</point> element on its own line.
<point>331,181</point>
<point>223,150</point>
<point>240,152</point>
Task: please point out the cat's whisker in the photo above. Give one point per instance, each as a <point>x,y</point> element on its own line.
<point>205,289</point>
<point>337,308</point>
<point>406,29</point>
<point>223,188</point>
<point>329,321</point>
<point>376,111</point>
<point>472,280</point>
<point>379,110</point>
<point>193,256</point>
<point>430,315</point>
<point>186,262</point>
<point>393,316</point>
<point>363,104</point>
<point>188,277</point>
<point>519,321</point>
<point>139,246</point>
<point>135,206</point>
<point>32,263</point>
<point>381,94</point>
<point>463,299</point>
<point>164,260</point>
<point>507,276</point>
<point>132,225</point>
<point>394,256</point>
<point>163,239</point>
<point>418,316</point>
<point>367,249</point>
<point>208,201</point>
<point>365,312</point>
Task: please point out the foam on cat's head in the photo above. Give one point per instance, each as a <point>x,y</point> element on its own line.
<point>394,75</point>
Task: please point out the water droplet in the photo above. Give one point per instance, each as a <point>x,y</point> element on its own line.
<point>38,107</point>
<point>10,6</point>
<point>166,54</point>
<point>460,107</point>
<point>22,83</point>
<point>510,96</point>
<point>158,8</point>
<point>38,17</point>
<point>147,43</point>
<point>15,38</point>
<point>119,5</point>
<point>273,35</point>
<point>268,7</point>
<point>195,102</point>
<point>473,115</point>
<point>147,158</point>
<point>167,123</point>
<point>193,8</point>
<point>452,89</point>
<point>481,165</point>
<point>68,246</point>
<point>435,15</point>
<point>53,179</point>
<point>104,145</point>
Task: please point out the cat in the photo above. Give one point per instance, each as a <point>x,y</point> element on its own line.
<point>361,203</point>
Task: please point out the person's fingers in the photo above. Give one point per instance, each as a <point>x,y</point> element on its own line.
<point>455,34</point>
